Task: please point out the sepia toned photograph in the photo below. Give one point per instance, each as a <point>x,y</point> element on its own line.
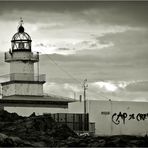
<point>73,73</point>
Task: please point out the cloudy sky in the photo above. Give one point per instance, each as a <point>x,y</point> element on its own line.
<point>105,42</point>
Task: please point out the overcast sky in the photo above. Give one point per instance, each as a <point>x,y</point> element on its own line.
<point>105,42</point>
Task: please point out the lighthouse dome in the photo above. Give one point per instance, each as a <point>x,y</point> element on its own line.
<point>21,41</point>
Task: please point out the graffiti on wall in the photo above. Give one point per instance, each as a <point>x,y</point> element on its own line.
<point>117,118</point>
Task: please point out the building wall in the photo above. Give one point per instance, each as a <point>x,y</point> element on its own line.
<point>116,117</point>
<point>29,89</point>
<point>18,65</point>
<point>8,90</point>
<point>76,107</point>
<point>22,77</point>
<point>21,67</point>
<point>22,89</point>
<point>133,120</point>
<point>22,55</point>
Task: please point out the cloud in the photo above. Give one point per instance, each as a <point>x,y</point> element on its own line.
<point>68,24</point>
<point>109,12</point>
<point>64,48</point>
<point>65,89</point>
<point>105,42</point>
<point>71,48</point>
<point>106,86</point>
<point>110,86</point>
<point>138,86</point>
<point>101,90</point>
<point>129,47</point>
<point>121,13</point>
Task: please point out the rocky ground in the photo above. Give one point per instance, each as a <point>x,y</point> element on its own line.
<point>42,131</point>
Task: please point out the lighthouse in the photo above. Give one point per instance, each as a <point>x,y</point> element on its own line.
<point>23,87</point>
<point>22,79</point>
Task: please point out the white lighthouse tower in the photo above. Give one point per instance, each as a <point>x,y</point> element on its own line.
<point>24,88</point>
<point>22,79</point>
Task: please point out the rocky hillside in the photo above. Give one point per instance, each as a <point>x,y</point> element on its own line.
<point>42,131</point>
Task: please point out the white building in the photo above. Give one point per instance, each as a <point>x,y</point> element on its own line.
<point>115,117</point>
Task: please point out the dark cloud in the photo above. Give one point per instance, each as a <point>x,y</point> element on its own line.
<point>138,86</point>
<point>126,60</point>
<point>129,47</point>
<point>91,67</point>
<point>57,6</point>
<point>112,12</point>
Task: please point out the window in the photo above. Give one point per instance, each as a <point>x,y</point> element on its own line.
<point>105,113</point>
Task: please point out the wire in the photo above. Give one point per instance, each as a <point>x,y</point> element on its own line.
<point>100,93</point>
<point>67,73</point>
<point>2,61</point>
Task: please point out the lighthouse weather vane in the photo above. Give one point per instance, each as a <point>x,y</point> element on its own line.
<point>21,21</point>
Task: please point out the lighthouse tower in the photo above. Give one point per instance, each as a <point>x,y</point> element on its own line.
<point>22,79</point>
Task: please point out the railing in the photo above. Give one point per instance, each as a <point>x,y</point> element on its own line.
<point>23,77</point>
<point>9,56</point>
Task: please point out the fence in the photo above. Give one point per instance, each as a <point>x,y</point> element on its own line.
<point>77,122</point>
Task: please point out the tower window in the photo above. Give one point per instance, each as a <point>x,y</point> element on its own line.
<point>21,45</point>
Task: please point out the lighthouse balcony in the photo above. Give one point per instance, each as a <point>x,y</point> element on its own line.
<point>23,77</point>
<point>21,56</point>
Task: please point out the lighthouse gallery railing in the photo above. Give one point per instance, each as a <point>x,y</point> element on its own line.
<point>23,77</point>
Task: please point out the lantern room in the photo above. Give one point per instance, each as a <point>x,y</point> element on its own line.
<point>21,41</point>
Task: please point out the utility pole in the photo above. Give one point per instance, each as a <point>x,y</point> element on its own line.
<point>85,86</point>
<point>38,70</point>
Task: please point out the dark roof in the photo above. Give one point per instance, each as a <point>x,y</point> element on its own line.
<point>35,101</point>
<point>42,98</point>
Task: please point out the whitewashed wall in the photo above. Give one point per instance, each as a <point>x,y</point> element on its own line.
<point>21,67</point>
<point>22,89</point>
<point>8,90</point>
<point>29,89</point>
<point>116,117</point>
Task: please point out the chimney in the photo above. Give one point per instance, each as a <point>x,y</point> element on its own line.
<point>80,98</point>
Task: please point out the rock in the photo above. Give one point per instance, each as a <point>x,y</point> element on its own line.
<point>43,131</point>
<point>6,141</point>
<point>72,142</point>
<point>38,130</point>
<point>9,117</point>
<point>82,144</point>
<point>62,132</point>
<point>32,115</point>
<point>102,143</point>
